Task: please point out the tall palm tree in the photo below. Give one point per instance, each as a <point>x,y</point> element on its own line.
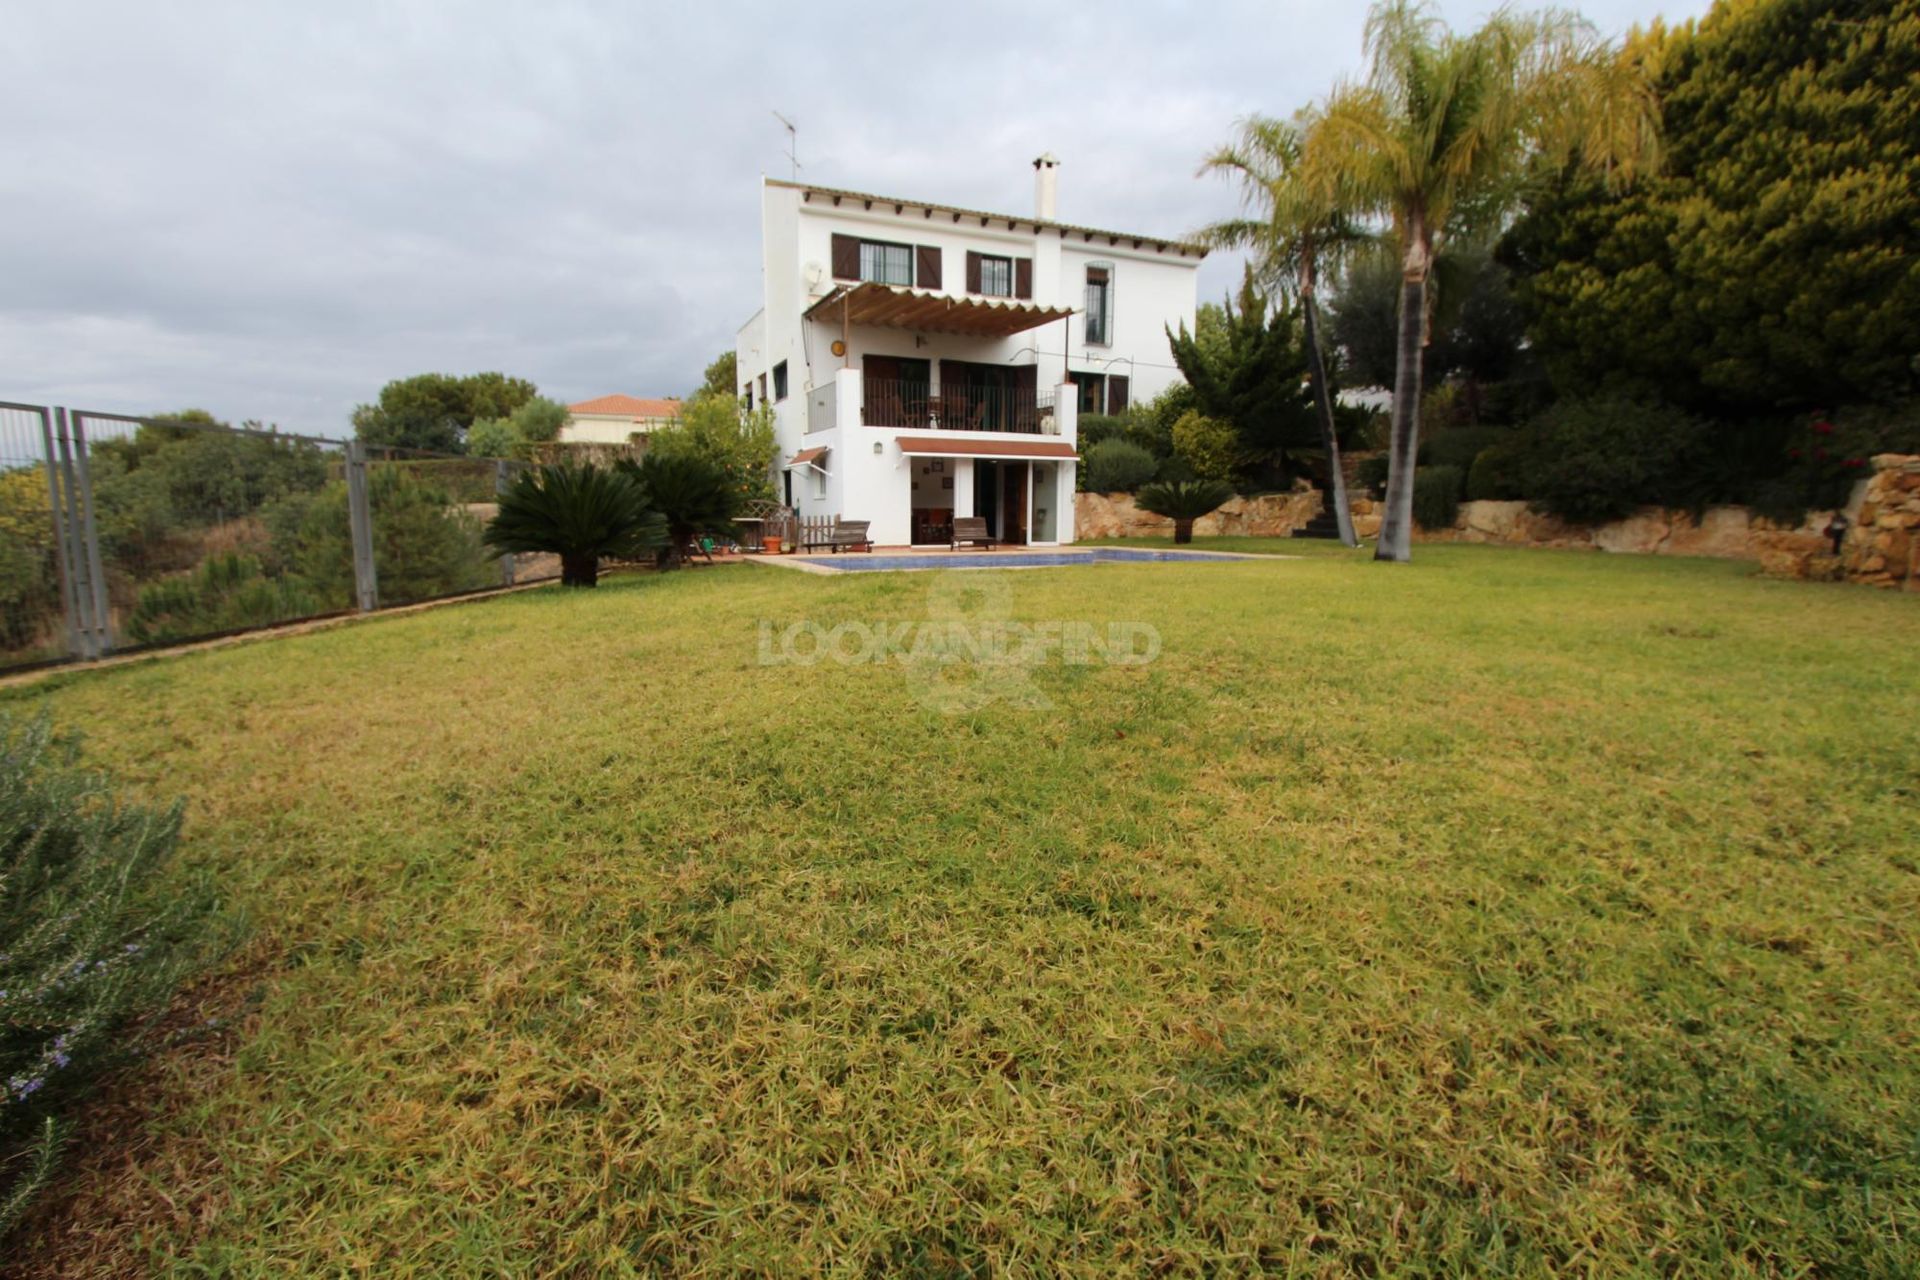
<point>1300,230</point>
<point>1440,140</point>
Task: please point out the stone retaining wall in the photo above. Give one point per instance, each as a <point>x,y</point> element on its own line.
<point>1883,546</point>
<point>1271,515</point>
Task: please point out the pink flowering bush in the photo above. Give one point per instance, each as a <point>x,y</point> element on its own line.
<point>92,942</point>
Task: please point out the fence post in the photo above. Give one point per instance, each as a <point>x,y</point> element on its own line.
<point>502,477</point>
<point>79,531</point>
<point>366,586</point>
<point>62,541</point>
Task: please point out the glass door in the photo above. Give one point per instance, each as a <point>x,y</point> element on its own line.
<point>1046,495</point>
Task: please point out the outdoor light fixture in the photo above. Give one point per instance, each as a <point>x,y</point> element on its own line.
<point>877,447</point>
<point>1837,530</point>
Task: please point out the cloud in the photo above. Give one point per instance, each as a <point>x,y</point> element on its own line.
<point>269,210</point>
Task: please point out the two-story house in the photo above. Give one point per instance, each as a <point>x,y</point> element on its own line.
<point>925,361</point>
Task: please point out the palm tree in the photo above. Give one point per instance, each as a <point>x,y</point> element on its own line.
<point>1440,140</point>
<point>1302,229</point>
<point>580,514</point>
<point>1183,502</point>
<point>690,492</point>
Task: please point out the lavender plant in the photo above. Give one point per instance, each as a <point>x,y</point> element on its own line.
<point>93,943</point>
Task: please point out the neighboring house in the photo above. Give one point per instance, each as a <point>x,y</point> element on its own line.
<point>617,419</point>
<point>925,361</point>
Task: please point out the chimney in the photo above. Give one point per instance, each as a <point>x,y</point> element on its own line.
<point>1046,187</point>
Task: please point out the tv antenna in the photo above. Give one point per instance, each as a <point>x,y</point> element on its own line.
<point>793,143</point>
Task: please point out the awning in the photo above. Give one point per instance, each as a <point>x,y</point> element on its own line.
<point>973,447</point>
<point>815,458</point>
<point>923,312</point>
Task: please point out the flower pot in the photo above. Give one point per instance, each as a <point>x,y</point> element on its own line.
<point>770,545</point>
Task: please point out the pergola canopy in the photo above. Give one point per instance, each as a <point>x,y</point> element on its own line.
<point>977,447</point>
<point>902,308</point>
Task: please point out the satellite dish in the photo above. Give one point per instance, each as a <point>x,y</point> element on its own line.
<point>815,273</point>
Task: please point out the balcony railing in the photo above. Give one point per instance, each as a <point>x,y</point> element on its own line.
<point>889,403</point>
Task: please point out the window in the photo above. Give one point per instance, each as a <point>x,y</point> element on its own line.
<point>780,381</point>
<point>996,277</point>
<point>746,393</point>
<point>1100,304</point>
<point>886,263</point>
<point>763,390</point>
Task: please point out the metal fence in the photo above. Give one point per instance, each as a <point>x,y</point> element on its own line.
<point>121,533</point>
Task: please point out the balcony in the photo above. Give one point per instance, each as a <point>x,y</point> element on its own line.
<point>890,403</point>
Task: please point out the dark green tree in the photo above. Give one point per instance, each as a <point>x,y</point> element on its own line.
<point>1254,376</point>
<point>581,514</point>
<point>1183,502</point>
<point>434,411</point>
<point>1775,263</point>
<point>690,492</point>
<point>721,378</point>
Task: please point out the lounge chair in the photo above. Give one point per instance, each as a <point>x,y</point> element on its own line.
<point>971,529</point>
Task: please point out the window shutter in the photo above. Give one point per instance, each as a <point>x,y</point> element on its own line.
<point>926,269</point>
<point>1116,393</point>
<point>1023,277</point>
<point>973,272</point>
<point>846,257</point>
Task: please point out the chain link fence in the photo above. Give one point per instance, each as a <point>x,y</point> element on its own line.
<point>121,533</point>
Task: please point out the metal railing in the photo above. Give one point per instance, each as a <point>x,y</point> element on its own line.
<point>888,403</point>
<point>119,532</point>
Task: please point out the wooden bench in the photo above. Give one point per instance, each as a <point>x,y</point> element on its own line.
<point>971,529</point>
<point>846,535</point>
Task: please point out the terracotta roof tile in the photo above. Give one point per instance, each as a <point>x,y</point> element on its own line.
<point>628,407</point>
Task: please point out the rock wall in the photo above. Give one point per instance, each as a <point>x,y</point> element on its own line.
<point>1728,533</point>
<point>1883,546</point>
<point>1271,515</point>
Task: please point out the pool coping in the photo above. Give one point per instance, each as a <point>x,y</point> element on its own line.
<point>940,559</point>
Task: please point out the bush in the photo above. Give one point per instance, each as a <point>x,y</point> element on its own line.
<point>1825,455</point>
<point>91,946</point>
<point>1117,466</point>
<point>423,545</point>
<point>1596,460</point>
<point>225,593</point>
<point>1208,445</point>
<point>1459,446</point>
<point>581,514</point>
<point>1500,472</point>
<point>1371,473</point>
<point>1436,497</point>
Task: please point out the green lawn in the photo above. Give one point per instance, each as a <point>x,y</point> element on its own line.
<point>1507,913</point>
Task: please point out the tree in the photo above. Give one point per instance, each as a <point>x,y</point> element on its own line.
<point>740,444</point>
<point>582,514</point>
<point>434,411</point>
<point>721,378</point>
<point>1476,330</point>
<point>1183,502</point>
<point>1440,139</point>
<point>690,492</point>
<point>1300,228</point>
<point>1771,265</point>
<point>1253,376</point>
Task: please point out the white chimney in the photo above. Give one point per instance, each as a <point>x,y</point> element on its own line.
<point>1046,187</point>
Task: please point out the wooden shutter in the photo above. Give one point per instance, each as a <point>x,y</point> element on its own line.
<point>973,272</point>
<point>926,267</point>
<point>846,257</point>
<point>1023,277</point>
<point>1116,393</point>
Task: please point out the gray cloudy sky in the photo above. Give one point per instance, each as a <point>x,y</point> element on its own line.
<point>270,209</point>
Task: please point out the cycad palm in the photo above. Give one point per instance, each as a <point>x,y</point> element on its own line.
<point>578,513</point>
<point>1300,229</point>
<point>1439,140</point>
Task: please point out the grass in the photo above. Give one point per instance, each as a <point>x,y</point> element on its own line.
<point>1515,913</point>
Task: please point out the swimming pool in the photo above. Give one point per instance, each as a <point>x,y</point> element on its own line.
<point>854,562</point>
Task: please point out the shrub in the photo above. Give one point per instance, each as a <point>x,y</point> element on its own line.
<point>1117,466</point>
<point>224,593</point>
<point>1208,445</point>
<point>495,438</point>
<point>1459,446</point>
<point>1436,497</point>
<point>1184,501</point>
<point>1825,455</point>
<point>1500,472</point>
<point>423,544</point>
<point>581,514</point>
<point>29,587</point>
<point>1596,460</point>
<point>1372,474</point>
<point>91,946</point>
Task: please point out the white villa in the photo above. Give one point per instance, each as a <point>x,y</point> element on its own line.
<point>925,362</point>
<point>617,419</point>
